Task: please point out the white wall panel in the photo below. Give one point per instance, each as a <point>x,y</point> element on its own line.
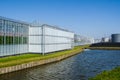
<point>51,48</point>
<point>35,39</point>
<point>57,32</point>
<point>35,31</point>
<point>35,48</point>
<point>49,39</point>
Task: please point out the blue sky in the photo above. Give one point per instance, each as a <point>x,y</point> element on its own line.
<point>92,18</point>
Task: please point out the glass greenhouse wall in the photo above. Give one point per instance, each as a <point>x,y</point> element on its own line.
<point>46,38</point>
<point>17,37</point>
<point>13,37</point>
<point>56,39</point>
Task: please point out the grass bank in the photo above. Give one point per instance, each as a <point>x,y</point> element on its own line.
<point>105,48</point>
<point>108,75</point>
<point>25,58</point>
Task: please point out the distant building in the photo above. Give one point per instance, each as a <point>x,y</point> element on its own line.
<point>105,39</point>
<point>115,38</point>
<point>82,40</point>
<point>97,40</point>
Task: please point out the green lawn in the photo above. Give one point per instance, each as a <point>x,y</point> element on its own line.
<point>108,75</point>
<point>24,58</point>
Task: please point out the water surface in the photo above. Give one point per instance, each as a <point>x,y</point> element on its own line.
<point>79,67</point>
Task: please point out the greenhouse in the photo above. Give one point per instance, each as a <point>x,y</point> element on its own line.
<point>17,37</point>
<point>13,37</point>
<point>46,38</point>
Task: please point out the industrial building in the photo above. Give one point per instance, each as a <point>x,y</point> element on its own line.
<point>17,37</point>
<point>115,38</point>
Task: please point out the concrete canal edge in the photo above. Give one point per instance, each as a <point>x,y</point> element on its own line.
<point>36,63</point>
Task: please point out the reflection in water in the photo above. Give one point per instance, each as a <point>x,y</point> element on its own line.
<point>78,67</point>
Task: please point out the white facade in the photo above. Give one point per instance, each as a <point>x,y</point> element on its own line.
<point>45,39</point>
<point>35,39</point>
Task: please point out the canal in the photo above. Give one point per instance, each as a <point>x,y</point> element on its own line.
<point>79,67</point>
